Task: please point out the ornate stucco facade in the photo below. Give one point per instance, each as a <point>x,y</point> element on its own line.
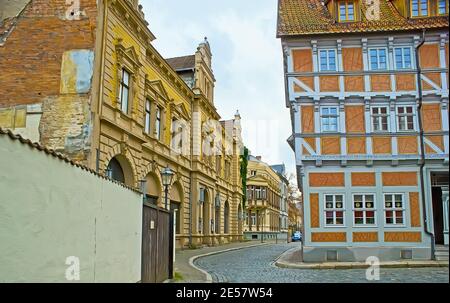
<point>266,202</point>
<point>369,129</point>
<point>115,104</point>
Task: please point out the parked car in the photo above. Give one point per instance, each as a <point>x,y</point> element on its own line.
<point>297,236</point>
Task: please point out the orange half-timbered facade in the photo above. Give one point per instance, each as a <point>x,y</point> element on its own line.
<point>367,85</point>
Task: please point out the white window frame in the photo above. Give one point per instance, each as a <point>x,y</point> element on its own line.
<point>413,114</point>
<point>253,219</point>
<point>394,210</point>
<point>364,210</point>
<point>158,122</point>
<point>411,54</point>
<point>322,116</point>
<point>258,192</point>
<point>372,118</point>
<point>147,116</point>
<point>419,9</point>
<point>125,103</point>
<point>439,7</point>
<point>346,4</point>
<point>328,50</point>
<point>334,210</point>
<point>378,58</point>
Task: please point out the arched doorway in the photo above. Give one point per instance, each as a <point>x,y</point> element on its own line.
<point>153,189</point>
<point>226,218</point>
<point>176,199</point>
<point>119,169</point>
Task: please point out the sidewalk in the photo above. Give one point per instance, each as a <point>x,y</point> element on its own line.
<point>292,259</point>
<point>187,272</point>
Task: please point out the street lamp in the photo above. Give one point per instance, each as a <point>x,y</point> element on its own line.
<point>166,175</point>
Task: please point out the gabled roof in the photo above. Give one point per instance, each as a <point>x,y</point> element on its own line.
<point>182,63</point>
<point>308,17</point>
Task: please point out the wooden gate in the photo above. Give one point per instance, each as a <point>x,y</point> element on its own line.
<point>157,244</point>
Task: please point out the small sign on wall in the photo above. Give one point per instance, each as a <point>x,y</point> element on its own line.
<point>152,224</point>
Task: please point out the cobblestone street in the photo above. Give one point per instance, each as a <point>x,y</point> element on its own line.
<point>256,265</point>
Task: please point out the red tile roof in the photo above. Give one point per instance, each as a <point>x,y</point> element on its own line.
<point>308,17</point>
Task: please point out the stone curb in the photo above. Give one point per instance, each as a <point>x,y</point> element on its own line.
<point>360,265</point>
<point>208,276</point>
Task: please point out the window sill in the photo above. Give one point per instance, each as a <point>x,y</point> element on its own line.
<point>394,226</point>
<point>331,132</point>
<point>381,131</point>
<point>364,226</point>
<point>335,226</point>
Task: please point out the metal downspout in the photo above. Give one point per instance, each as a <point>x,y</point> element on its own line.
<point>422,146</point>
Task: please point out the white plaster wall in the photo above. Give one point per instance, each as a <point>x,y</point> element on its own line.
<point>50,210</point>
<point>31,131</point>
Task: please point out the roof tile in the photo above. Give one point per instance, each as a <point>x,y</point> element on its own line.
<point>308,17</point>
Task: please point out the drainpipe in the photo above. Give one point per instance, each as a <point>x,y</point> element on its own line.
<point>191,150</point>
<point>422,146</point>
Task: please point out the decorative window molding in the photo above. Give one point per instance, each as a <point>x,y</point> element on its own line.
<point>127,65</point>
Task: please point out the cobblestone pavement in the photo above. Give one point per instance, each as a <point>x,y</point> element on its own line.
<point>255,265</point>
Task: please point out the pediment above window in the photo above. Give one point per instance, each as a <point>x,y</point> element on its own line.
<point>181,110</point>
<point>157,87</point>
<point>127,56</point>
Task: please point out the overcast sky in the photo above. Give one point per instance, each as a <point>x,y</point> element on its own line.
<point>247,63</point>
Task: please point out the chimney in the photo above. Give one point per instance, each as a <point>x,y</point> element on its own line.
<point>258,158</point>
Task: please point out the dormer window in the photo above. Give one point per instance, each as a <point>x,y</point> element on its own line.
<point>346,11</point>
<point>419,8</point>
<point>442,7</point>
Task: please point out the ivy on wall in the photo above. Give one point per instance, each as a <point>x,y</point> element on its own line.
<point>244,164</point>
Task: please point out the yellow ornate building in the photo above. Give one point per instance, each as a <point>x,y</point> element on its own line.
<point>263,201</point>
<point>129,113</point>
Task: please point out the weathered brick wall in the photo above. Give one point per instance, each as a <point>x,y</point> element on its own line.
<point>31,56</point>
<point>46,58</point>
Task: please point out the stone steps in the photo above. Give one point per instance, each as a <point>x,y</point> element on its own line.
<point>441,253</point>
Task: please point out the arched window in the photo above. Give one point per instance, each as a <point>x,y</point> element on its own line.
<point>226,218</point>
<point>115,171</point>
